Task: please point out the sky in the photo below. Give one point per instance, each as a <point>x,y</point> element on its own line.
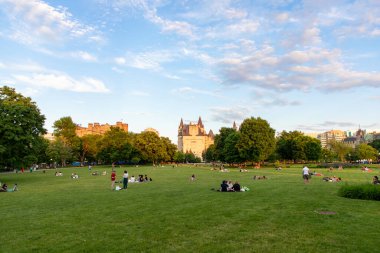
<point>305,65</point>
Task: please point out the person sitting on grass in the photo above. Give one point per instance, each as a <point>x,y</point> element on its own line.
<point>133,179</point>
<point>230,186</point>
<point>4,188</point>
<point>192,178</point>
<point>375,180</point>
<point>236,187</point>
<point>224,186</point>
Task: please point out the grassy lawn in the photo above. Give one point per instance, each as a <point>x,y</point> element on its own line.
<point>172,214</point>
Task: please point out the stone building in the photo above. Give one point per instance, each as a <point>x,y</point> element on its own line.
<point>332,135</point>
<point>193,138</point>
<point>96,128</point>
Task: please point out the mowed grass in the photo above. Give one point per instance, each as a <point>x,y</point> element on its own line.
<point>173,214</point>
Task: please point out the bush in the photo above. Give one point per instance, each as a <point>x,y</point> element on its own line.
<point>363,191</point>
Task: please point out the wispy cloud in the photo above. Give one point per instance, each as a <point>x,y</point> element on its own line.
<point>34,22</point>
<point>229,114</point>
<point>62,82</point>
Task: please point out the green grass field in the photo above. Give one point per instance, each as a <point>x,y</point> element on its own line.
<point>173,214</point>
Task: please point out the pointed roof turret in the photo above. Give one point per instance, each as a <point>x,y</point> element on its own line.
<point>234,126</point>
<point>181,123</point>
<point>211,134</point>
<point>200,122</point>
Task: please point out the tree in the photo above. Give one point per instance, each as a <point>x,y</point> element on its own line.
<point>179,157</point>
<point>89,147</point>
<point>59,151</point>
<point>115,146</point>
<point>340,149</point>
<point>209,154</point>
<point>257,140</point>
<point>230,151</point>
<point>150,147</point>
<point>313,149</point>
<point>65,129</point>
<point>219,142</point>
<point>21,127</point>
<point>170,149</point>
<point>365,151</point>
<point>375,144</point>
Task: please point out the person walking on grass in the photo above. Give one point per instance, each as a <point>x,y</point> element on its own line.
<point>305,174</point>
<point>113,178</point>
<point>125,180</point>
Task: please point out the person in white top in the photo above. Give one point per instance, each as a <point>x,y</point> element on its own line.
<point>125,180</point>
<point>132,180</point>
<point>305,174</point>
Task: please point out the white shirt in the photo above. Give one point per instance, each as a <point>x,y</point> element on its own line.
<point>305,170</point>
<point>125,175</point>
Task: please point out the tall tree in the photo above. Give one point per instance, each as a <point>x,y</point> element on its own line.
<point>59,151</point>
<point>89,147</point>
<point>375,144</point>
<point>365,151</point>
<point>170,149</point>
<point>219,142</point>
<point>230,151</point>
<point>340,149</point>
<point>64,128</point>
<point>209,155</point>
<point>150,147</point>
<point>21,126</point>
<point>257,140</point>
<point>115,146</point>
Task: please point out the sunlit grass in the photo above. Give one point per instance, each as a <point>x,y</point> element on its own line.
<point>173,214</point>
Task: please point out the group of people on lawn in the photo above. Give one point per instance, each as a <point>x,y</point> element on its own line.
<point>126,180</point>
<point>227,186</point>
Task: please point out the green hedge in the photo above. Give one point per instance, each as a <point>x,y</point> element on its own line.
<point>363,191</point>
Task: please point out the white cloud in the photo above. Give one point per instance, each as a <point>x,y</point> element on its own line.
<point>229,114</point>
<point>36,22</point>
<point>85,56</point>
<point>62,82</point>
<point>120,60</point>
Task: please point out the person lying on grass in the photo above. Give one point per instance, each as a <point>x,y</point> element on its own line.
<point>375,180</point>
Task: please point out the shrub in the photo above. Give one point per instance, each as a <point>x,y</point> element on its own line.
<point>363,191</point>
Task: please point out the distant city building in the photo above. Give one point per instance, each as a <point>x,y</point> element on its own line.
<point>193,138</point>
<point>152,130</point>
<point>49,136</point>
<point>332,135</point>
<point>96,128</point>
<point>356,139</point>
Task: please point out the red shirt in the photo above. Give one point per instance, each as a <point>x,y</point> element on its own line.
<point>113,176</point>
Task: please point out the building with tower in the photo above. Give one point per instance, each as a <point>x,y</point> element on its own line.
<point>193,138</point>
<point>96,128</point>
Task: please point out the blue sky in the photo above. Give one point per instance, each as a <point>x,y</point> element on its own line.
<point>301,65</point>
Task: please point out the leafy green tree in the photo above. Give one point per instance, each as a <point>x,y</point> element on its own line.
<point>257,140</point>
<point>209,155</point>
<point>219,142</point>
<point>230,151</point>
<point>375,144</point>
<point>150,147</point>
<point>115,146</point>
<point>59,151</point>
<point>65,129</point>
<point>290,146</point>
<point>327,155</point>
<point>191,158</point>
<point>21,126</point>
<point>170,149</point>
<point>340,149</point>
<point>89,147</point>
<point>365,151</point>
<point>312,149</point>
<point>179,157</point>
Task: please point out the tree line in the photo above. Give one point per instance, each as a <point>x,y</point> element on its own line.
<point>22,142</point>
